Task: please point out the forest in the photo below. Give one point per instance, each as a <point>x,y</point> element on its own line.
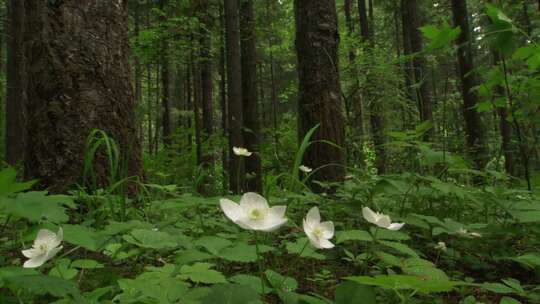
<point>270,151</point>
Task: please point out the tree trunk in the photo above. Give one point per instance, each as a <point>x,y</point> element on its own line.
<point>15,93</point>
<point>473,122</point>
<point>234,92</point>
<point>250,97</point>
<point>354,97</point>
<point>423,93</point>
<point>223,98</point>
<point>376,118</point>
<point>165,83</point>
<point>319,103</point>
<point>77,56</point>
<point>407,51</point>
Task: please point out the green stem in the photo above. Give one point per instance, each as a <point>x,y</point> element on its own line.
<point>289,271</point>
<point>259,262</point>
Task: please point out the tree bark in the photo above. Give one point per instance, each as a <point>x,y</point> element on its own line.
<point>407,51</point>
<point>250,100</point>
<point>473,123</point>
<point>15,87</point>
<point>317,41</point>
<point>234,92</point>
<point>423,92</point>
<point>223,98</point>
<point>77,56</point>
<point>376,116</point>
<point>165,83</point>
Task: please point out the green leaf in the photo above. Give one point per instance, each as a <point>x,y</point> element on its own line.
<point>63,270</point>
<point>86,264</point>
<point>36,206</point>
<point>350,292</point>
<point>213,244</point>
<point>399,282</point>
<point>507,300</point>
<point>151,239</point>
<point>280,282</point>
<point>353,235</point>
<point>308,251</point>
<point>241,252</point>
<point>440,37</point>
<point>41,285</point>
<point>9,184</point>
<point>402,248</point>
<point>231,294</point>
<point>497,288</point>
<point>530,260</point>
<point>192,255</point>
<point>249,280</point>
<point>385,234</point>
<point>201,273</point>
<point>83,236</point>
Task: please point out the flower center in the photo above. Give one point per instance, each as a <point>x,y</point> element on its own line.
<point>256,214</point>
<point>318,232</point>
<point>43,248</point>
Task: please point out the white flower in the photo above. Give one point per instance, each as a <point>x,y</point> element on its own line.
<point>241,151</point>
<point>253,213</point>
<point>305,169</point>
<point>318,233</point>
<point>466,233</point>
<point>46,245</point>
<point>380,219</point>
<point>441,246</point>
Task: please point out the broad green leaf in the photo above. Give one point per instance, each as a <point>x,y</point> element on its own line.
<point>86,264</point>
<point>280,282</point>
<point>151,239</point>
<point>192,255</point>
<point>241,252</point>
<point>402,248</point>
<point>231,294</point>
<point>497,288</point>
<point>440,37</point>
<point>398,282</point>
<point>213,244</point>
<point>249,280</point>
<point>350,292</point>
<point>84,237</point>
<point>299,246</point>
<point>353,235</point>
<point>36,206</point>
<point>63,270</point>
<point>201,273</point>
<point>9,184</point>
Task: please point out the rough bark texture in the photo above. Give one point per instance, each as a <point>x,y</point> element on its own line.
<point>234,94</point>
<point>250,100</point>
<point>317,41</point>
<point>423,92</point>
<point>473,122</point>
<point>16,96</point>
<point>78,79</point>
<point>223,97</point>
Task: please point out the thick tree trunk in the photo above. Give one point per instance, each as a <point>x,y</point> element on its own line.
<point>15,93</point>
<point>250,97</point>
<point>319,103</point>
<point>407,51</point>
<point>473,122</point>
<point>234,85</point>
<point>423,93</point>
<point>79,79</point>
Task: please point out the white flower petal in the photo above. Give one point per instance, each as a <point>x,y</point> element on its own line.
<point>383,221</point>
<point>45,236</point>
<point>53,252</point>
<point>328,229</point>
<point>326,244</point>
<point>231,209</point>
<point>277,211</point>
<point>313,217</point>
<point>369,215</point>
<point>270,226</point>
<point>35,261</point>
<point>395,226</point>
<point>252,200</point>
<point>30,253</point>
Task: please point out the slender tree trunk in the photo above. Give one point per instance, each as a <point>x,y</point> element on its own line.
<point>376,117</point>
<point>223,97</point>
<point>473,123</point>
<point>15,93</point>
<point>407,65</point>
<point>319,103</point>
<point>250,97</point>
<point>165,83</point>
<point>234,85</point>
<point>77,54</point>
<point>423,92</point>
<point>354,96</point>
<point>150,119</point>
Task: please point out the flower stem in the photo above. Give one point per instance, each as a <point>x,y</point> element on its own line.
<point>289,271</point>
<point>260,261</point>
